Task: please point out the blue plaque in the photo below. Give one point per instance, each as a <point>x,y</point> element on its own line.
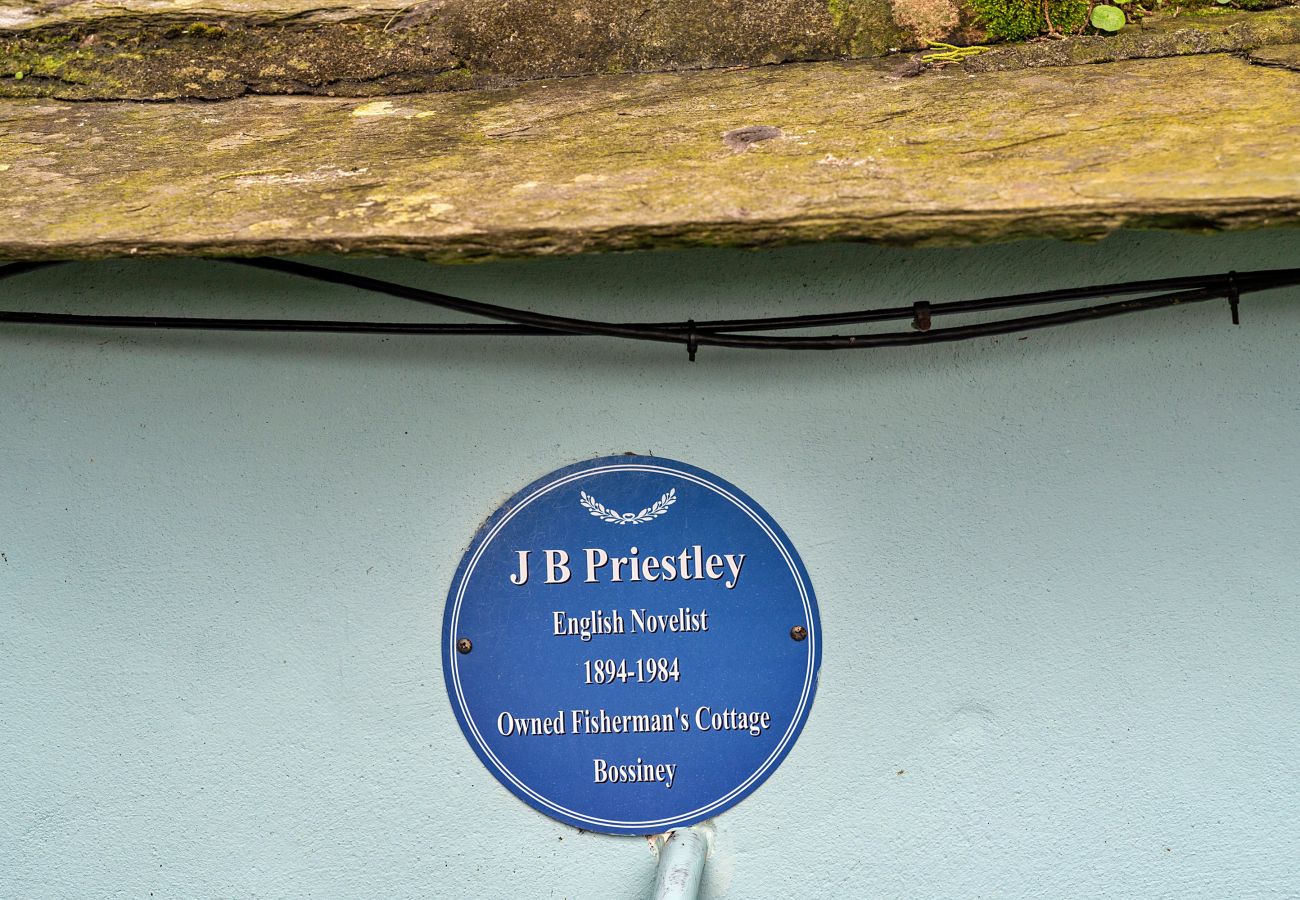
<point>631,645</point>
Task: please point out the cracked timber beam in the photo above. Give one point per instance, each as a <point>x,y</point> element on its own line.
<point>805,152</point>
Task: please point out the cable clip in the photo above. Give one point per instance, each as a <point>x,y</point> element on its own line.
<point>921,315</point>
<point>1234,297</point>
<point>691,345</point>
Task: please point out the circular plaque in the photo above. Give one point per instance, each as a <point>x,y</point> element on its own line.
<point>631,645</point>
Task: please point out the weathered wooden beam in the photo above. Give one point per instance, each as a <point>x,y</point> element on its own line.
<point>218,49</point>
<point>824,151</point>
<point>145,49</point>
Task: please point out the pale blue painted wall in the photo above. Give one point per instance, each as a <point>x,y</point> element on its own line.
<point>1059,580</point>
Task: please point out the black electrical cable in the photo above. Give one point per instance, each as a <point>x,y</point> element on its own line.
<point>674,331</point>
<point>818,320</point>
<point>187,323</point>
<point>562,324</point>
<point>722,332</point>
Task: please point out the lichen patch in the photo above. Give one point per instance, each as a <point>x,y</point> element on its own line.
<point>323,174</point>
<point>928,20</point>
<point>374,108</point>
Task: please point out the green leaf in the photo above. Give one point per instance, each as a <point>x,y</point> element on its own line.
<point>1107,18</point>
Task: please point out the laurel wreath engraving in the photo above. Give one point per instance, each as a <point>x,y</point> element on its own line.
<point>614,517</point>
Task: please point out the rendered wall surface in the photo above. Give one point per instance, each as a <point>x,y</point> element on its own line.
<point>1058,576</point>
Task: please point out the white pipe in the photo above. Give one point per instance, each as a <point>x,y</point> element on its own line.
<point>681,862</point>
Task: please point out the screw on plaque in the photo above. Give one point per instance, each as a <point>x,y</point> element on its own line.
<point>464,645</point>
<point>798,632</point>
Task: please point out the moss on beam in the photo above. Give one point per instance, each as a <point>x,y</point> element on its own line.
<point>219,49</point>
<point>845,151</point>
<point>151,50</point>
<point>212,61</point>
<point>1216,31</point>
